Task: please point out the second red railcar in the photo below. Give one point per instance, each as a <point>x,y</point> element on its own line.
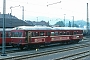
<point>7,35</point>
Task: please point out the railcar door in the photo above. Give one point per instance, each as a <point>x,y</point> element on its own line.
<point>28,36</point>
<point>48,38</point>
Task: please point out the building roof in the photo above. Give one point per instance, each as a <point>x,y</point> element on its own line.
<point>8,16</point>
<point>11,21</point>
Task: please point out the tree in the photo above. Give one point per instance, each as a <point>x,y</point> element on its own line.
<point>69,24</point>
<point>60,23</point>
<point>75,25</point>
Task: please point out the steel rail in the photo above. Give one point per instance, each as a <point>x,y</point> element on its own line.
<point>38,54</point>
<point>75,56</point>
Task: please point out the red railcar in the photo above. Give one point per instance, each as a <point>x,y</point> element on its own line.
<point>7,35</point>
<point>31,36</point>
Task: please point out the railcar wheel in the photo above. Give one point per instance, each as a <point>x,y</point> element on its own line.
<point>20,47</point>
<point>13,46</point>
<point>27,47</point>
<point>67,42</point>
<point>72,41</point>
<point>62,43</point>
<point>77,41</point>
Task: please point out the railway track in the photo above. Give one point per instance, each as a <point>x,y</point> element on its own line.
<point>77,56</point>
<point>43,53</point>
<point>17,50</point>
<point>6,47</point>
<point>14,51</point>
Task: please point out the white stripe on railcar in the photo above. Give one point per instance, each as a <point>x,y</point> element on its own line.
<point>17,37</point>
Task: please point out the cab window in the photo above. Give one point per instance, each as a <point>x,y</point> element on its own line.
<point>17,34</point>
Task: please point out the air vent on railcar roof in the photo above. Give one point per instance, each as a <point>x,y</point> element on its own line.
<point>16,28</point>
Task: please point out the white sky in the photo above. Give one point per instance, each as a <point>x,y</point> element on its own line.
<point>76,8</point>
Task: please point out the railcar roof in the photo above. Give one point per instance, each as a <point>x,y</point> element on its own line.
<point>32,28</point>
<point>66,28</point>
<point>7,29</point>
<point>45,28</point>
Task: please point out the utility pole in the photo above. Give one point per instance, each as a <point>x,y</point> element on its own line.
<point>87,20</point>
<point>11,10</point>
<point>3,41</point>
<point>53,4</point>
<point>37,20</point>
<point>23,13</point>
<point>73,21</point>
<point>64,20</point>
<point>22,10</point>
<point>13,7</point>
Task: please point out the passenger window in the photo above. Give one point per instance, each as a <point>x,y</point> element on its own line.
<point>33,34</point>
<point>12,34</point>
<point>0,35</point>
<point>9,34</point>
<point>36,33</point>
<point>56,33</point>
<point>80,32</point>
<point>75,32</point>
<point>6,34</point>
<point>41,33</point>
<point>67,33</point>
<point>60,33</point>
<point>48,34</point>
<point>16,34</point>
<point>20,34</point>
<point>64,33</point>
<point>52,33</point>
